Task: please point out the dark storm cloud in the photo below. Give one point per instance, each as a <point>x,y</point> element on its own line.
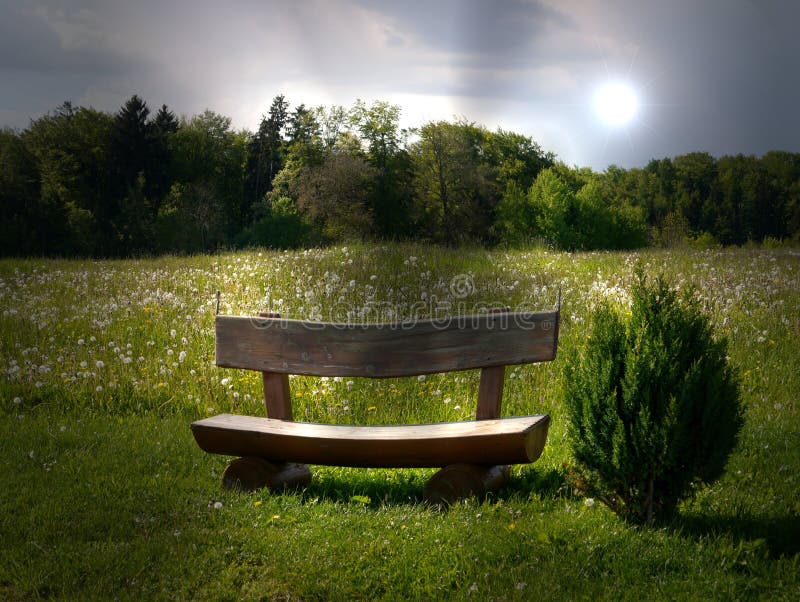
<point>57,40</point>
<point>472,28</point>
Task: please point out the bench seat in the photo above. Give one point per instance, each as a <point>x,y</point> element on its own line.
<point>483,442</point>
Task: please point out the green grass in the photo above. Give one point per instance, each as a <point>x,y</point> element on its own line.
<point>104,494</point>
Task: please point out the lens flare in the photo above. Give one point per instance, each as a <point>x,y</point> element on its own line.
<point>616,103</point>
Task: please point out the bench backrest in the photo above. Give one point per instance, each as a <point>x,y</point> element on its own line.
<point>278,347</point>
<point>385,350</point>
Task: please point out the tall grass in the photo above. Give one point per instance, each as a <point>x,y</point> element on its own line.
<point>104,494</point>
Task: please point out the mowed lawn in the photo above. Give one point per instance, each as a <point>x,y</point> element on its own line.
<point>105,495</point>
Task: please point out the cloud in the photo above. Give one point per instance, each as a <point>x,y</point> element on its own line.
<point>57,40</point>
<point>717,75</point>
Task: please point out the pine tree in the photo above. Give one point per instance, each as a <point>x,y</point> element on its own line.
<point>267,148</point>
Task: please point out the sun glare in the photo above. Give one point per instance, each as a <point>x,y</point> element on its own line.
<point>616,103</point>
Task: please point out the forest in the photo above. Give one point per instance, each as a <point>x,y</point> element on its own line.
<point>87,183</point>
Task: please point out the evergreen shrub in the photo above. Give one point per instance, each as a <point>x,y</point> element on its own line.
<point>654,405</point>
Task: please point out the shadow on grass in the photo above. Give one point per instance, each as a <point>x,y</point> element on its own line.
<point>781,534</point>
<point>346,485</point>
<point>399,487</point>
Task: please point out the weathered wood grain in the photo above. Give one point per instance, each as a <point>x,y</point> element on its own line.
<point>484,442</point>
<point>385,350</point>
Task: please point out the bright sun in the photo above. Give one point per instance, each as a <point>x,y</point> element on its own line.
<point>615,103</point>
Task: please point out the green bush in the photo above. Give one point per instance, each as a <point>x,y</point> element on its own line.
<point>282,227</point>
<point>654,407</point>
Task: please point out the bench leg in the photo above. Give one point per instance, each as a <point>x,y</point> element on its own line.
<point>251,473</point>
<point>458,481</point>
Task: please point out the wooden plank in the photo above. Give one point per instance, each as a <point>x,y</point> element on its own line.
<point>490,392</point>
<point>485,442</point>
<point>385,350</point>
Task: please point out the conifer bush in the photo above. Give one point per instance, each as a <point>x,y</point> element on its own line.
<point>654,406</point>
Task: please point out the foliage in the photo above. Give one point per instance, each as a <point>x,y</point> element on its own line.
<point>280,227</point>
<point>334,195</point>
<point>571,211</point>
<point>653,404</point>
<point>83,182</point>
<point>516,219</point>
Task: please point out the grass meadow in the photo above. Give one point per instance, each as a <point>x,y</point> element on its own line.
<point>105,495</point>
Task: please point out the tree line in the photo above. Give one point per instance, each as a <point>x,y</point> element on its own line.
<point>82,182</point>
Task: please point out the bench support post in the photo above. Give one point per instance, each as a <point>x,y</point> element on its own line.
<point>458,481</point>
<point>490,392</point>
<point>277,395</point>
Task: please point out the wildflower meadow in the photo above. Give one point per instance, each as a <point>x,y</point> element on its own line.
<point>105,495</point>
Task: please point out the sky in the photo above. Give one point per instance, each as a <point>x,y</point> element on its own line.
<point>721,76</point>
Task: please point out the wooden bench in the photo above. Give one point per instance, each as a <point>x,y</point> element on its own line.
<point>473,455</point>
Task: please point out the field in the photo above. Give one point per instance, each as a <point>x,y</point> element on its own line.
<point>104,494</point>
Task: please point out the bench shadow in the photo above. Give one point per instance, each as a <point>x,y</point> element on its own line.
<point>380,487</point>
<point>400,487</point>
<point>781,534</point>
